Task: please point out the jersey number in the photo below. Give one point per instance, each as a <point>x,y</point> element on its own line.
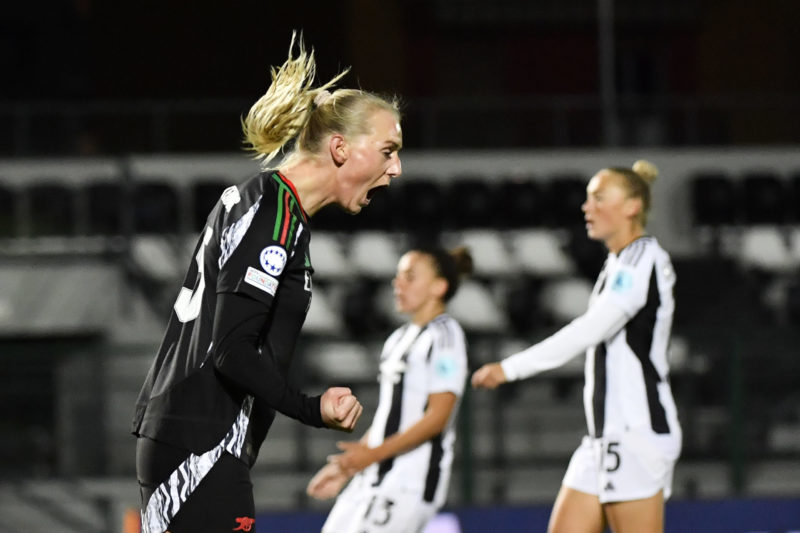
<point>385,512</point>
<point>613,455</point>
<point>187,306</point>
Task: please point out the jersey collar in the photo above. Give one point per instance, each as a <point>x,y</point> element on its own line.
<point>289,184</point>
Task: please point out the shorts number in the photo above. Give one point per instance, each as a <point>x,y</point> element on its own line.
<point>613,455</point>
<point>187,305</point>
<point>385,511</point>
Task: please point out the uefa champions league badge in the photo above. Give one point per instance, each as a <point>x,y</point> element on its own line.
<point>623,281</point>
<point>445,367</point>
<point>273,259</point>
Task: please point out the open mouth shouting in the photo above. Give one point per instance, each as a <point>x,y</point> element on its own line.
<point>372,191</point>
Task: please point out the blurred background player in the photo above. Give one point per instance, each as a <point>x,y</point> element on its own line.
<point>220,375</point>
<point>402,464</point>
<point>621,473</point>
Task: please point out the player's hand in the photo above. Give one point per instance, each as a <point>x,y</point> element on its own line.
<point>340,409</point>
<point>356,456</point>
<point>489,376</point>
<point>327,483</point>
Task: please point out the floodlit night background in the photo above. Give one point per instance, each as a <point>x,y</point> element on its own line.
<point>120,126</point>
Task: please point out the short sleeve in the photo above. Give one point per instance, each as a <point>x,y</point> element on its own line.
<point>629,282</point>
<point>447,366</point>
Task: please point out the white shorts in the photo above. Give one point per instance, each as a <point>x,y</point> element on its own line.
<point>629,466</point>
<point>362,508</point>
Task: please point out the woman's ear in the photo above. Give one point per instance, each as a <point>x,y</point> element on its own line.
<point>633,206</point>
<point>338,149</point>
<point>439,287</point>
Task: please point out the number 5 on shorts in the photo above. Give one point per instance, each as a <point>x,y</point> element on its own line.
<point>612,457</point>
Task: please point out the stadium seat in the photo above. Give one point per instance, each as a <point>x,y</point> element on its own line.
<point>794,197</point>
<point>522,304</point>
<point>373,254</point>
<point>588,255</point>
<point>105,206</point>
<point>379,215</point>
<point>565,299</point>
<point>764,248</point>
<point>332,218</point>
<point>566,194</point>
<point>714,199</point>
<point>342,362</point>
<point>491,258</point>
<point>420,208</point>
<point>475,308</point>
<point>52,209</point>
<point>360,312</point>
<point>793,302</point>
<point>156,207</point>
<point>765,198</point>
<point>471,204</point>
<point>521,203</point>
<point>157,258</point>
<point>205,194</point>
<point>8,212</point>
<point>327,257</point>
<point>322,318</point>
<point>794,244</point>
<point>540,252</point>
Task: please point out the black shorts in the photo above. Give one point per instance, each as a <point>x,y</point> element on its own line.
<point>221,502</point>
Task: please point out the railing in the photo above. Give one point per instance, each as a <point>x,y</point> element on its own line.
<point>193,126</point>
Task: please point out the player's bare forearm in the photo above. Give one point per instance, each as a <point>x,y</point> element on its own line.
<point>358,456</point>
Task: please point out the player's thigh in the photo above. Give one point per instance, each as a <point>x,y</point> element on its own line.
<point>637,516</point>
<point>223,501</point>
<point>576,512</point>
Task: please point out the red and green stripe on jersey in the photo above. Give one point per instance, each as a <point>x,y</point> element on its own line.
<point>286,221</point>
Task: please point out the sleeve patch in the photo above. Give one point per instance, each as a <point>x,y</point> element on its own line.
<point>260,280</point>
<point>445,367</point>
<point>623,282</point>
<point>273,259</point>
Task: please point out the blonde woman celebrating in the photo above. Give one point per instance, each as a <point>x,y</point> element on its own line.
<point>402,464</point>
<point>220,375</point>
<point>621,474</point>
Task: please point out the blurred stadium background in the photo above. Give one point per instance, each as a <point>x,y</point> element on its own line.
<point>119,126</point>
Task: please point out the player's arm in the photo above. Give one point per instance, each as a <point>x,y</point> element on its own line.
<point>601,321</point>
<point>357,455</point>
<point>329,480</point>
<point>238,323</point>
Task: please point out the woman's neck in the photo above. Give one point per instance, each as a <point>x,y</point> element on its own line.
<point>427,313</point>
<point>313,182</point>
<point>616,244</point>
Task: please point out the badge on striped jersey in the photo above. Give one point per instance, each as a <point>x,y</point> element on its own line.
<point>445,367</point>
<point>623,281</point>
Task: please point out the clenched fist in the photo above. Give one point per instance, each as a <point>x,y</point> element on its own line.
<point>340,409</point>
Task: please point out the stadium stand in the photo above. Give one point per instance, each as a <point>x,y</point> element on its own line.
<point>98,276</point>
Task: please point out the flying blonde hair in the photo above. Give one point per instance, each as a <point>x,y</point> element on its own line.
<point>292,108</point>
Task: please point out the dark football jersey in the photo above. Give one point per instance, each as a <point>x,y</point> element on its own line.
<point>255,244</point>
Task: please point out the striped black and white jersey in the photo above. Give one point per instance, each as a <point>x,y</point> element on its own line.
<point>206,384</point>
<point>625,334</point>
<point>415,363</point>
